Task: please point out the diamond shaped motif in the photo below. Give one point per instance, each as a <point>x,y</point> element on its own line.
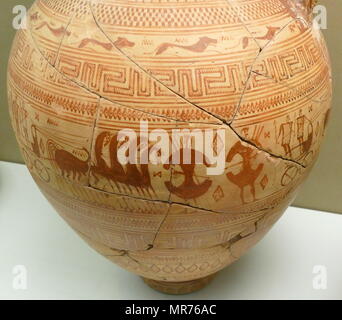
<point>193,268</point>
<point>167,269</point>
<point>155,269</point>
<point>218,194</point>
<point>180,269</point>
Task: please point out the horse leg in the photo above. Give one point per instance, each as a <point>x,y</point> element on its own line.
<point>95,177</point>
<point>241,195</point>
<point>253,191</point>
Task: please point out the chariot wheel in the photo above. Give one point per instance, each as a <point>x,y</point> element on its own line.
<point>42,171</point>
<point>289,175</point>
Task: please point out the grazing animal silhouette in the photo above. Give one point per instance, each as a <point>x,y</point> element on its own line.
<point>123,43</point>
<point>55,31</point>
<point>200,46</point>
<point>107,46</point>
<point>271,32</point>
<point>119,43</point>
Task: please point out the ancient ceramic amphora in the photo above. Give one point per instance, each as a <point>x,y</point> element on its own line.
<point>251,77</point>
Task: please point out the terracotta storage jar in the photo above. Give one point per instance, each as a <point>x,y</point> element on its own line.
<point>251,77</point>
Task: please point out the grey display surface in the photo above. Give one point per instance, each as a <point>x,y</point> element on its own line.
<point>59,265</point>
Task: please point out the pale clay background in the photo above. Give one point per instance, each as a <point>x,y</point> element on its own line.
<point>323,189</point>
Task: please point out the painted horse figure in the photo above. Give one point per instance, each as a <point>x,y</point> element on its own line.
<point>247,176</point>
<point>67,162</point>
<point>129,175</point>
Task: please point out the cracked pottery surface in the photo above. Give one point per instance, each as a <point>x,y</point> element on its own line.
<point>84,70</point>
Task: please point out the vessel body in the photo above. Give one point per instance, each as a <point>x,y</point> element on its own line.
<point>254,73</point>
